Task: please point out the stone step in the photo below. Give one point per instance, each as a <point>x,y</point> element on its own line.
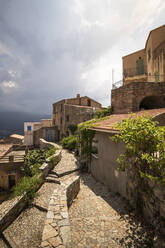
<point>50,180</point>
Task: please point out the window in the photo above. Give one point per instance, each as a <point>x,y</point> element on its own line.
<point>89,102</point>
<point>29,128</point>
<point>67,118</point>
<point>139,66</point>
<point>157,76</point>
<point>61,120</point>
<point>61,107</point>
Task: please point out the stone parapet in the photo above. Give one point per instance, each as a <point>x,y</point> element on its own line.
<point>19,203</point>
<point>56,231</point>
<point>46,145</point>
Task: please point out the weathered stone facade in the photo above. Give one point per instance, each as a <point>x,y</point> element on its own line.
<point>73,111</point>
<point>138,95</point>
<point>147,64</point>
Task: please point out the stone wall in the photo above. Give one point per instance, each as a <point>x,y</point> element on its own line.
<point>128,98</point>
<point>19,203</point>
<point>151,200</point>
<point>56,231</point>
<point>46,145</point>
<point>104,164</point>
<point>104,168</point>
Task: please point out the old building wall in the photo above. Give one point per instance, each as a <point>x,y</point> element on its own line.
<point>75,115</point>
<point>83,101</point>
<point>29,128</point>
<point>104,164</point>
<point>129,97</point>
<point>130,63</point>
<point>6,170</point>
<point>104,169</point>
<point>73,111</point>
<point>46,122</point>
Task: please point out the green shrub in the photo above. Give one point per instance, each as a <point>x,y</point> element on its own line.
<point>70,143</point>
<point>27,186</point>
<point>145,147</point>
<point>32,161</point>
<point>72,128</point>
<point>51,151</point>
<point>103,112</point>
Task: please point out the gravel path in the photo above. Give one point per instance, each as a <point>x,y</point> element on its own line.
<point>26,230</point>
<point>99,218</point>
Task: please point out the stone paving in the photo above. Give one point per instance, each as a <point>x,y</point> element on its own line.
<point>26,230</point>
<point>99,218</point>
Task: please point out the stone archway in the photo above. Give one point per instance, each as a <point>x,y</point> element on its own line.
<point>152,102</point>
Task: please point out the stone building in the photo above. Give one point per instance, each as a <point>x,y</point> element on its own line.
<point>143,77</point>
<point>148,64</point>
<point>33,131</point>
<point>73,111</point>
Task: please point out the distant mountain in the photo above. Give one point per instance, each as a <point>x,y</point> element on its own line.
<point>13,122</point>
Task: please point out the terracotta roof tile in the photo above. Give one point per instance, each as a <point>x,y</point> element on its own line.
<point>108,124</point>
<point>17,136</point>
<point>4,148</point>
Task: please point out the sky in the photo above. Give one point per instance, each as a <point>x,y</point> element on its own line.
<point>54,49</point>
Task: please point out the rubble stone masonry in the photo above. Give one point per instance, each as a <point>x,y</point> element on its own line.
<point>137,95</point>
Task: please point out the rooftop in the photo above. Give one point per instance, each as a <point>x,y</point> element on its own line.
<point>17,136</point>
<point>108,124</point>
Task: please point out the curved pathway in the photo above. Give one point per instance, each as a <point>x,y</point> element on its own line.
<point>99,218</point>
<point>26,230</point>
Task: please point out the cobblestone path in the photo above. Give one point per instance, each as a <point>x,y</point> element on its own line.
<point>26,230</point>
<point>99,218</point>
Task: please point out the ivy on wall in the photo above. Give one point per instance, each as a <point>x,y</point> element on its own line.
<point>86,136</point>
<point>145,147</point>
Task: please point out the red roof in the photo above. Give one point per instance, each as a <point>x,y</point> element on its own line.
<point>109,123</point>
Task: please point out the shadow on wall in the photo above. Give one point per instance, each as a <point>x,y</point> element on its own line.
<point>152,102</point>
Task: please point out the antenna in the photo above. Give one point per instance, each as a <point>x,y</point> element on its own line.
<point>113,76</point>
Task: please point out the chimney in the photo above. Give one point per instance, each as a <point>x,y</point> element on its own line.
<point>78,95</point>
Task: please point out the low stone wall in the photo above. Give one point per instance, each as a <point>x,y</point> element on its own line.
<point>19,203</point>
<point>56,231</point>
<point>46,145</point>
<point>151,200</point>
<point>48,165</point>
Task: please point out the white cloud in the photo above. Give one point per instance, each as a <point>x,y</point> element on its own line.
<point>8,86</point>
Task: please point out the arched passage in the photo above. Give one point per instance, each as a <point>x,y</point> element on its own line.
<point>152,102</point>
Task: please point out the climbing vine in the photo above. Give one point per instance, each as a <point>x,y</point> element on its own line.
<point>86,135</point>
<point>144,156</point>
<point>145,147</point>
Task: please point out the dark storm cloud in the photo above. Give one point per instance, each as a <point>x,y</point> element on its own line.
<point>46,47</point>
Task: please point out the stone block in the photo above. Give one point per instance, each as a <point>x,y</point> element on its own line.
<point>64,222</point>
<point>65,234</point>
<point>48,235</point>
<point>50,215</point>
<point>55,241</point>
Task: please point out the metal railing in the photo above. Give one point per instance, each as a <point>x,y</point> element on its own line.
<point>135,71</point>
<point>117,85</point>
